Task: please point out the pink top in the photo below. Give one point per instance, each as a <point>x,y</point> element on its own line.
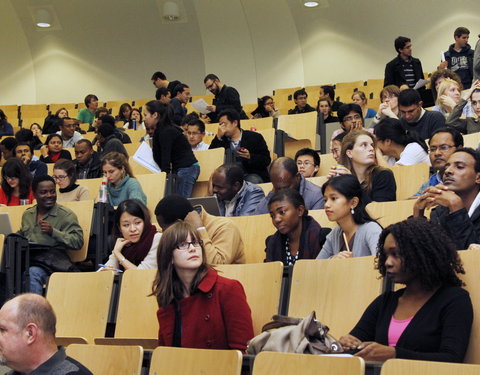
<point>396,329</point>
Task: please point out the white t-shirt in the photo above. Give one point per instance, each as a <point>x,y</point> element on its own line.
<point>412,154</point>
<point>202,146</point>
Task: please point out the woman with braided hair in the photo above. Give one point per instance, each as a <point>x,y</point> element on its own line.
<point>431,318</point>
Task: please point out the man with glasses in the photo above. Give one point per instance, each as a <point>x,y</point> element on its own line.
<point>160,80</point>
<point>195,133</point>
<point>236,197</point>
<point>68,133</point>
<point>226,97</point>
<point>221,237</point>
<point>404,70</point>
<point>444,142</point>
<point>350,117</point>
<point>308,162</point>
<point>415,118</point>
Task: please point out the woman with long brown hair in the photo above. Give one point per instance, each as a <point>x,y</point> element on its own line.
<point>197,307</point>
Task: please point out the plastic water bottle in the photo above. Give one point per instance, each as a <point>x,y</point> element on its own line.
<point>102,194</point>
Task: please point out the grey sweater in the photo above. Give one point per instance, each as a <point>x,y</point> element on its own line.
<point>365,243</point>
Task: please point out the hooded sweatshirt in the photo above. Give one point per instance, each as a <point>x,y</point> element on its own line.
<point>461,63</point>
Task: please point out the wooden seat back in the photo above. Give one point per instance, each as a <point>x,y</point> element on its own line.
<point>108,359</point>
<point>267,363</point>
<point>262,283</point>
<point>81,301</point>
<point>175,361</point>
<point>338,290</point>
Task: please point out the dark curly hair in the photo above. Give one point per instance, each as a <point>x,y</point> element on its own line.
<point>426,252</point>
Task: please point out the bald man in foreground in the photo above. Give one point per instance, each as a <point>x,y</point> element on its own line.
<point>27,339</point>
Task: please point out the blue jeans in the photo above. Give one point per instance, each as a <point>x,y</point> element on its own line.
<point>187,177</point>
<point>38,278</point>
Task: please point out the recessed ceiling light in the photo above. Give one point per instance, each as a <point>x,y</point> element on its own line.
<point>43,18</point>
<point>310,4</point>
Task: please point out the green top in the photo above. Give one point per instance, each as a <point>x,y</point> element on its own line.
<point>67,232</point>
<point>84,116</point>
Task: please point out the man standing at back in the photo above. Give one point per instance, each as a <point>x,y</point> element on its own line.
<point>160,80</point>
<point>415,118</point>
<point>180,95</point>
<point>404,70</point>
<point>459,57</point>
<point>27,339</point>
<point>226,97</point>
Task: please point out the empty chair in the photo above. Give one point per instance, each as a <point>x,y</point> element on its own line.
<point>81,301</point>
<point>410,367</point>
<point>267,363</point>
<point>254,230</point>
<point>176,361</point>
<point>262,283</point>
<point>338,290</point>
<point>137,311</point>
<point>153,186</point>
<point>108,360</point>
<point>387,213</point>
<point>301,126</point>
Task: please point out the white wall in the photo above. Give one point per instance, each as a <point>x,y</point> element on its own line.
<point>111,47</point>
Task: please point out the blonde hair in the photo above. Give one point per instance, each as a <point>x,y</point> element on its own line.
<point>444,86</point>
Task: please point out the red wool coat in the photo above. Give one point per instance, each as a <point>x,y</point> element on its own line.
<point>216,317</point>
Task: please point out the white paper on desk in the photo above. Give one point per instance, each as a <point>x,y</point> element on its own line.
<point>201,106</point>
<point>421,83</point>
<point>144,156</point>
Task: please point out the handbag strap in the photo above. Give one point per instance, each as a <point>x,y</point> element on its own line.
<point>177,332</point>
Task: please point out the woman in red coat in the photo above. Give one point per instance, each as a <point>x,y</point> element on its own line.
<point>197,307</point>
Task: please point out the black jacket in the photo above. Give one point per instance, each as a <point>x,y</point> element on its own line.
<point>461,228</point>
<point>259,154</point>
<point>93,167</point>
<point>394,74</point>
<point>461,63</point>
<point>227,98</point>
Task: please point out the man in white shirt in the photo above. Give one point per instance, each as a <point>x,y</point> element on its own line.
<point>68,133</point>
<point>195,133</point>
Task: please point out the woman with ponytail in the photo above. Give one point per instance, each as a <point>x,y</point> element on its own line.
<point>402,146</point>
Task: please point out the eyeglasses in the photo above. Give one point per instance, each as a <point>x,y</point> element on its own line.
<point>8,178</point>
<point>350,118</point>
<point>192,134</point>
<point>441,148</point>
<point>306,163</point>
<point>60,178</point>
<point>210,86</point>
<point>269,103</point>
<point>185,245</point>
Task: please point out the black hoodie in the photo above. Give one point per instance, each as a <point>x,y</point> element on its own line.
<point>461,63</point>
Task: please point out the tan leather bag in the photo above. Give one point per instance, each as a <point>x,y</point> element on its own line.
<point>294,335</point>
